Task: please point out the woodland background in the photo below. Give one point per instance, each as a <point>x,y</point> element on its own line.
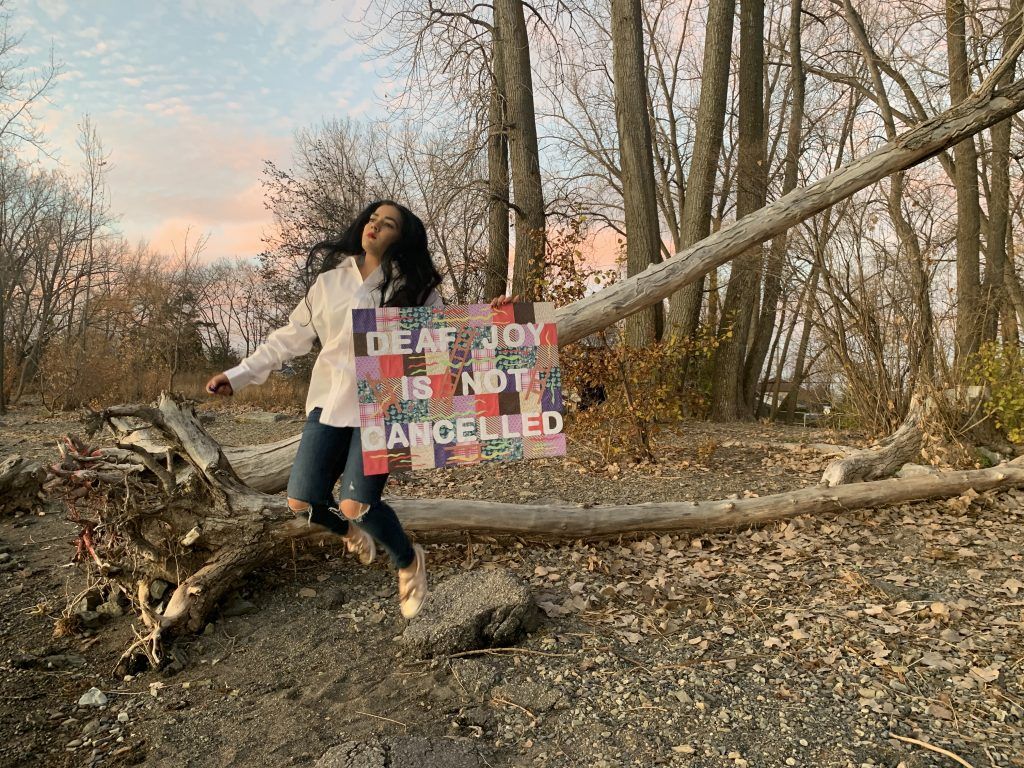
<point>553,147</point>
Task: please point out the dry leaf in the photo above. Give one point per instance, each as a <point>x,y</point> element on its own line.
<point>936,660</point>
<point>985,674</point>
<point>1012,586</point>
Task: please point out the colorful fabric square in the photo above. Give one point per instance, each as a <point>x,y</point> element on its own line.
<point>457,385</point>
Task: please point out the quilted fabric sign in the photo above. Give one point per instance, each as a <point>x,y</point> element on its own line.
<point>448,386</point>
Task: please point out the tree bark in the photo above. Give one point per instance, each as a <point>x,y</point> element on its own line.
<point>496,283</point>
<point>684,306</point>
<point>524,159</point>
<point>884,458</point>
<point>765,325</point>
<point>969,311</point>
<point>632,116</point>
<point>720,515</point>
<point>994,294</point>
<point>727,401</point>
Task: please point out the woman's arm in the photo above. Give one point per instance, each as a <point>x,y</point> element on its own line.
<point>293,339</point>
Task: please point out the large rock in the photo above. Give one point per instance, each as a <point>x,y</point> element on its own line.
<point>21,481</point>
<point>478,609</point>
<point>401,751</point>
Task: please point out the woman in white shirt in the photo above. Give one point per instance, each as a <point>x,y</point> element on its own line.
<point>382,259</point>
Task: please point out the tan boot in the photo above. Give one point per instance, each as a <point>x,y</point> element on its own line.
<point>359,541</point>
<point>412,590</point>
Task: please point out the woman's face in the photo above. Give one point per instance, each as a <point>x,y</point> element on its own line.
<point>382,230</point>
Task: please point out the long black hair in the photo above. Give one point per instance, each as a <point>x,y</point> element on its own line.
<point>406,262</point>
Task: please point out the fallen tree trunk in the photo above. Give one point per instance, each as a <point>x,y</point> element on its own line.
<point>263,467</point>
<point>193,523</point>
<point>623,298</point>
<point>698,516</point>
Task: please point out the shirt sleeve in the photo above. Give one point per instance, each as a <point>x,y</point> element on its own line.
<point>434,299</point>
<point>291,340</point>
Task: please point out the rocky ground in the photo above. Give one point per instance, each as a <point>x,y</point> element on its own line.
<point>878,638</point>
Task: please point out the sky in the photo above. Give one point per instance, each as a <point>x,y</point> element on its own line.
<point>190,97</point>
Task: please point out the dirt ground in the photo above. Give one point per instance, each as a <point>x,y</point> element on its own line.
<point>872,639</point>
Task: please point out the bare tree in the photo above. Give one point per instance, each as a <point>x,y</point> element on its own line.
<point>632,113</point>
<point>524,155</point>
<point>751,192</point>
<point>684,307</point>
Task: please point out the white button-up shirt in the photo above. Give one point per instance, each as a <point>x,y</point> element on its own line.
<point>332,298</point>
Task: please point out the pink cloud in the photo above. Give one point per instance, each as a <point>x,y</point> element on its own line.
<point>235,224</point>
<point>171,173</point>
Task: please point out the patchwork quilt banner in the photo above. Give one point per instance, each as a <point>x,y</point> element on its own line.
<point>450,386</point>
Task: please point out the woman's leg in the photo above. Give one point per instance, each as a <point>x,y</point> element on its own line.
<point>319,462</point>
<point>361,503</point>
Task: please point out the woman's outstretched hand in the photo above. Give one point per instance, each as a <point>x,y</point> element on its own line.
<point>497,301</point>
<point>219,385</point>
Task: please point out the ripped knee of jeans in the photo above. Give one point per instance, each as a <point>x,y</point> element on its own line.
<point>354,510</point>
<point>299,507</point>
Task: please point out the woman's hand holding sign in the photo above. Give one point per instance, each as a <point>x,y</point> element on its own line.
<point>497,301</point>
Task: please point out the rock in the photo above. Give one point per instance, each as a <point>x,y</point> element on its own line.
<point>90,601</point>
<point>24,661</point>
<point>239,607</point>
<point>157,589</point>
<point>63,661</point>
<point>354,754</point>
<point>21,481</point>
<point>4,557</point>
<point>110,608</point>
<point>410,750</point>
<point>478,609</point>
<point>541,698</point>
<point>91,727</point>
<point>90,619</point>
<point>477,676</point>
<point>307,592</point>
<point>122,717</point>
<point>94,697</point>
<point>262,417</point>
<point>434,753</point>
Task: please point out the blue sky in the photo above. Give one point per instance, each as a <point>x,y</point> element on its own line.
<point>191,96</point>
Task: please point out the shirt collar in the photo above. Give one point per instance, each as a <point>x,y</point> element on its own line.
<point>373,280</point>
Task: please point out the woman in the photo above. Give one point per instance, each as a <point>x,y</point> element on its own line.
<point>381,260</point>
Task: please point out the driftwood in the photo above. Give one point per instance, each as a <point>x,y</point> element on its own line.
<point>883,459</point>
<point>956,415</point>
<point>264,467</point>
<point>184,517</point>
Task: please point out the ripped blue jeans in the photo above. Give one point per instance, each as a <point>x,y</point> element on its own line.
<point>328,453</point>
